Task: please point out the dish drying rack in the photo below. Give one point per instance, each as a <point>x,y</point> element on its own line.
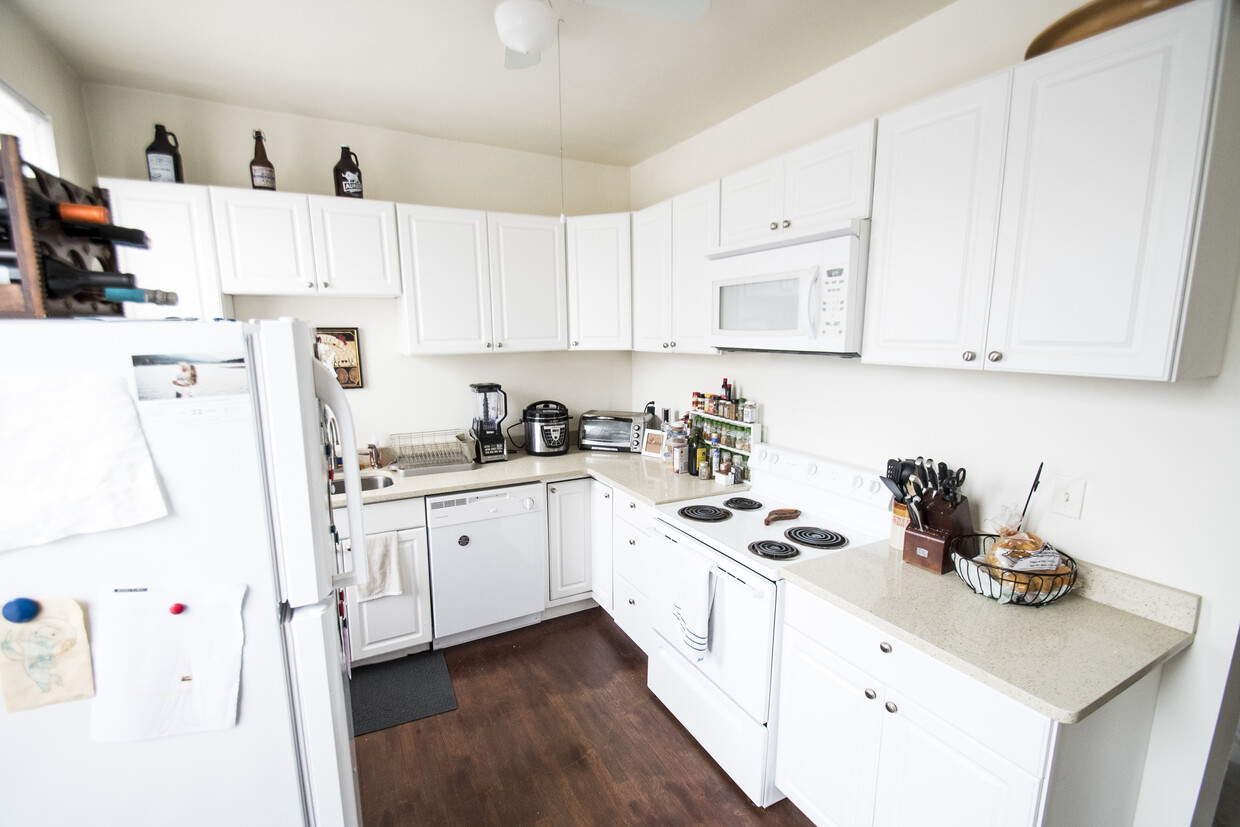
<point>431,452</point>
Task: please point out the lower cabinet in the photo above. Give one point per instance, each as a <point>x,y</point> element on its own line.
<point>386,627</point>
<point>872,731</point>
<point>601,497</point>
<point>568,540</point>
<point>631,556</point>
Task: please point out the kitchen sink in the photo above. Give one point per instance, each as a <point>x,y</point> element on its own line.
<point>368,484</point>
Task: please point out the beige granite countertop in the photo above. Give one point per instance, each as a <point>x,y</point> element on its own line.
<point>644,478</point>
<point>1064,660</point>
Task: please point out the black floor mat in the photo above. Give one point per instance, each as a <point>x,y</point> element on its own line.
<point>398,691</point>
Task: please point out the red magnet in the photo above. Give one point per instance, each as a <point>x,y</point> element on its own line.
<point>176,608</point>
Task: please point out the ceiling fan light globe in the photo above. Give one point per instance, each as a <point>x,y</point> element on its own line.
<point>525,26</point>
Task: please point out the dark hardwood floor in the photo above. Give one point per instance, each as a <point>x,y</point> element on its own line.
<point>554,726</point>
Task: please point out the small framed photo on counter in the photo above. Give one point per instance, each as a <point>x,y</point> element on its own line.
<point>339,349</point>
<point>652,443</point>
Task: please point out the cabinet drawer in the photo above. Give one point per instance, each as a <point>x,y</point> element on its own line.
<point>631,511</point>
<point>394,515</point>
<point>986,715</point>
<point>631,555</point>
<point>632,613</point>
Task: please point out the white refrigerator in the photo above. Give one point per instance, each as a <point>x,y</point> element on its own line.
<point>232,417</point>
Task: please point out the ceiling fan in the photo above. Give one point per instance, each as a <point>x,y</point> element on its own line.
<point>527,27</point>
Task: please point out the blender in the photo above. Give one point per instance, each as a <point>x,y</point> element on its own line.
<point>489,412</point>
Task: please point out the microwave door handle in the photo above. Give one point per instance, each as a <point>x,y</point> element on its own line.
<point>814,300</point>
<point>328,390</point>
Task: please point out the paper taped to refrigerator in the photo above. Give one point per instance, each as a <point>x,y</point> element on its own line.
<point>167,659</point>
<point>45,660</point>
<point>78,460</point>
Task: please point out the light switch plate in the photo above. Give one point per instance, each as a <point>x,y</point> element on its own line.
<point>1067,493</point>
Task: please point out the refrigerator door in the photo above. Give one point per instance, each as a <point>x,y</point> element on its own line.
<point>207,458</point>
<point>324,716</point>
<point>291,382</point>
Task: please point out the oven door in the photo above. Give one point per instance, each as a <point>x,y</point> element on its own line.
<point>741,629</point>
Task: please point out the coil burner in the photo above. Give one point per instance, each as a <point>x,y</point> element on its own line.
<point>704,513</point>
<point>815,537</point>
<point>774,550</point>
<point>743,504</point>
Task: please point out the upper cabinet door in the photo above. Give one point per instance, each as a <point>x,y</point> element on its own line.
<point>695,233</point>
<point>355,246</point>
<point>829,181</point>
<point>600,279</point>
<point>182,254</point>
<point>445,306</point>
<point>652,278</point>
<point>263,241</point>
<point>1100,190</point>
<point>752,204</point>
<point>529,302</point>
<point>937,181</point>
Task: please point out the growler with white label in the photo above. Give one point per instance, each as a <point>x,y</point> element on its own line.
<point>348,175</point>
<point>163,157</point>
<point>262,173</point>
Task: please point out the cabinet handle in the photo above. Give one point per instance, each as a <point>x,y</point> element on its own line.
<point>968,356</point>
<point>665,344</point>
<point>632,602</point>
<point>632,542</point>
<point>891,707</point>
<point>552,490</point>
<point>871,694</point>
<point>499,344</point>
<point>673,344</point>
<point>787,223</point>
<point>574,343</point>
<point>310,285</point>
<point>885,648</point>
<point>607,496</point>
<point>774,225</point>
<point>632,505</point>
<point>994,356</point>
<point>488,344</point>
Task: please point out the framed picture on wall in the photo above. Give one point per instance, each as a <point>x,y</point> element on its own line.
<point>339,349</point>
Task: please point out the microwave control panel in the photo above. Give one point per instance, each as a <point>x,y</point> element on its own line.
<point>841,294</point>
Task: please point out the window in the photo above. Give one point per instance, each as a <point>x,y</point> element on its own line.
<point>32,128</point>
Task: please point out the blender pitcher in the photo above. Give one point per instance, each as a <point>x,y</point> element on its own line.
<point>490,408</point>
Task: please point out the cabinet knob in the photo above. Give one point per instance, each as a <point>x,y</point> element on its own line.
<point>994,356</point>
<point>607,496</point>
<point>488,344</point>
<point>673,344</point>
<point>665,344</point>
<point>787,223</point>
<point>552,490</point>
<point>968,356</point>
<point>871,694</point>
<point>891,707</point>
<point>632,602</point>
<point>325,285</point>
<point>774,225</point>
<point>310,285</point>
<point>632,542</point>
<point>574,343</point>
<point>885,648</point>
<point>499,344</point>
<point>632,505</point>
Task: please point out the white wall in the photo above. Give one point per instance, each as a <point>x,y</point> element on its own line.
<point>1153,455</point>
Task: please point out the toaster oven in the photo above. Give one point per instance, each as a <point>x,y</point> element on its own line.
<point>613,430</point>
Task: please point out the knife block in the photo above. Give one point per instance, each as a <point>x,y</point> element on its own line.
<point>929,547</point>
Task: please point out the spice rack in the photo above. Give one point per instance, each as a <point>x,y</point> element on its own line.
<point>28,299</point>
<point>753,430</point>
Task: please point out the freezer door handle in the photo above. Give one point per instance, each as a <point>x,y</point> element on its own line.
<point>328,390</point>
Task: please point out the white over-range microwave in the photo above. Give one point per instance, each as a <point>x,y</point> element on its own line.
<point>804,298</point>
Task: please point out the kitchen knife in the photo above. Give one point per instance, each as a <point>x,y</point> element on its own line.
<point>914,513</point>
<point>932,474</point>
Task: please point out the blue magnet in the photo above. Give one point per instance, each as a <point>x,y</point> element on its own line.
<point>21,610</point>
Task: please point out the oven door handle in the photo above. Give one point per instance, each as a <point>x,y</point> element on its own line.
<point>718,571</point>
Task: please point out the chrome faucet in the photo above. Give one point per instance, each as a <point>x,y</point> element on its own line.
<point>373,450</point>
<point>333,439</point>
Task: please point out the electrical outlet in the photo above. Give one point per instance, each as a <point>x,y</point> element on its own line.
<point>1066,496</point>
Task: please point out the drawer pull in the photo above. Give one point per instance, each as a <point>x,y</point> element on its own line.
<point>632,505</point>
<point>632,542</point>
<point>890,706</point>
<point>885,648</point>
<point>632,602</point>
<point>871,694</point>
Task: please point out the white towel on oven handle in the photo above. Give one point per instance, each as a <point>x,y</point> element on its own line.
<point>693,597</point>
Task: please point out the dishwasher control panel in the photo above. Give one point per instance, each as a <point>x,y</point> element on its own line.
<point>471,506</point>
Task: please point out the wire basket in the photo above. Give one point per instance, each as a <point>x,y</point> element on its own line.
<point>430,452</point>
<point>1024,588</point>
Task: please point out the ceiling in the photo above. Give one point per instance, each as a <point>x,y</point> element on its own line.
<point>632,85</point>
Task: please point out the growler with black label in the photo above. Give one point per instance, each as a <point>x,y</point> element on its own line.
<point>348,175</point>
<point>262,173</point>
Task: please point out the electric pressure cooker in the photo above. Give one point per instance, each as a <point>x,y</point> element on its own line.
<point>546,428</point>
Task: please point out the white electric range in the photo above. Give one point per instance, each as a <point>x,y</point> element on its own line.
<point>718,607</point>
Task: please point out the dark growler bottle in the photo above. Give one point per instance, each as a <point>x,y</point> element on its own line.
<point>163,157</point>
<point>348,175</point>
<point>262,173</point>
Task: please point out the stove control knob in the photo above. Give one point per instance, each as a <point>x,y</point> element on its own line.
<point>774,459</point>
<point>527,503</point>
<point>857,481</point>
<point>761,456</point>
<point>875,487</point>
<point>811,469</point>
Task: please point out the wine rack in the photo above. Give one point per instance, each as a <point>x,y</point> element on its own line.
<point>34,239</point>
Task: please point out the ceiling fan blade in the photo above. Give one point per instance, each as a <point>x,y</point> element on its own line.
<point>685,11</point>
<point>516,60</point>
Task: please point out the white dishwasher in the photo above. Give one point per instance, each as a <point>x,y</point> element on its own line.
<point>488,555</point>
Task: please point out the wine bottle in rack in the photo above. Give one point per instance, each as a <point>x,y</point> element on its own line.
<point>62,279</point>
<point>43,208</point>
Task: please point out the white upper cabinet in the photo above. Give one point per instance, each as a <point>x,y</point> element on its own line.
<point>529,302</point>
<point>445,306</point>
<point>181,258</point>
<point>600,298</point>
<point>937,179</point>
<point>652,278</point>
<point>263,240</point>
<point>1109,255</point>
<point>800,193</point>
<point>1101,183</point>
<point>695,233</point>
<point>355,248</point>
<point>280,243</point>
